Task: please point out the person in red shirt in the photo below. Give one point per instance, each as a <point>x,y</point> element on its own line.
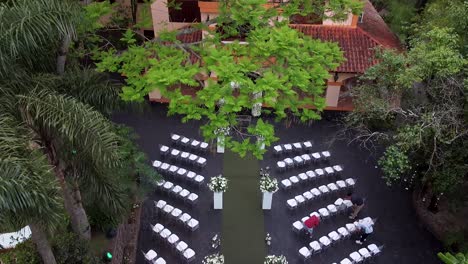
<point>311,223</point>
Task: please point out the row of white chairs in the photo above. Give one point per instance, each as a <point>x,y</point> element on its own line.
<point>183,156</point>
<point>310,175</point>
<point>363,254</point>
<point>174,213</point>
<point>152,257</point>
<point>332,238</point>
<point>186,142</point>
<point>174,242</point>
<point>301,160</point>
<point>177,191</point>
<point>324,213</point>
<point>293,147</point>
<point>180,173</point>
<point>319,192</point>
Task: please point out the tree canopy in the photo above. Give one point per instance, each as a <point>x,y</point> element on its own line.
<point>267,63</point>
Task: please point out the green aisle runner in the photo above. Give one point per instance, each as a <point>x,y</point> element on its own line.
<point>243,235</point>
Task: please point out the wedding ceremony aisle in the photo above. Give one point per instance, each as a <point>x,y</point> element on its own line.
<point>243,234</point>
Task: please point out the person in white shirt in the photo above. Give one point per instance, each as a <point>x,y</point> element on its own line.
<point>366,227</point>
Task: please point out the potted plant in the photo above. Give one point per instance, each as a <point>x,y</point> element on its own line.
<point>218,185</point>
<point>221,133</point>
<point>273,259</point>
<point>214,259</point>
<point>268,186</point>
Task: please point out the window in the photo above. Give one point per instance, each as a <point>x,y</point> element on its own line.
<point>184,11</point>
<point>149,34</point>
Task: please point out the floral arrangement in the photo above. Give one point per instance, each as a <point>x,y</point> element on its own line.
<point>268,239</point>
<point>265,172</point>
<point>218,184</point>
<point>215,241</point>
<point>222,131</point>
<point>214,259</point>
<point>273,259</point>
<point>268,184</point>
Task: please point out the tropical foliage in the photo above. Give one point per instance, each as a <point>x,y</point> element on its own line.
<point>279,67</point>
<point>458,258</point>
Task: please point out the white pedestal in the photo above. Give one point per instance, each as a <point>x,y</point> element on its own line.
<point>260,142</point>
<point>218,200</point>
<point>267,199</point>
<point>220,145</point>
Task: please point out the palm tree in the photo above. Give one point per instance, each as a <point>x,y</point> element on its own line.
<point>30,28</point>
<point>28,191</point>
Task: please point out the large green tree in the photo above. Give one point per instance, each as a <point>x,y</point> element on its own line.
<point>268,64</point>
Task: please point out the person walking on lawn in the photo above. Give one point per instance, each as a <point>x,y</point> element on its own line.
<point>311,223</point>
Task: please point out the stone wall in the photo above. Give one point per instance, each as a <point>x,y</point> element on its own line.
<point>124,245</point>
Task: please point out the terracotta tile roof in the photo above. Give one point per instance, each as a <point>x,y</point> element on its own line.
<point>375,27</point>
<point>190,37</point>
<point>356,45</point>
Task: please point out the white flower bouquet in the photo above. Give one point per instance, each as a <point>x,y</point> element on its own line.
<point>268,184</point>
<point>214,259</point>
<point>268,239</point>
<point>222,131</point>
<point>272,259</point>
<point>218,184</point>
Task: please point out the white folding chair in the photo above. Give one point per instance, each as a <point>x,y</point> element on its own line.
<point>346,261</point>
<point>292,204</point>
<point>185,141</point>
<point>316,157</point>
<point>173,169</point>
<point>167,209</point>
<point>191,176</point>
<point>374,249</point>
<point>356,257</point>
<point>165,167</point>
<point>311,175</point>
<point>298,161</point>
<point>160,204</point>
<point>277,150</point>
<point>348,203</point>
<point>343,232</point>
<point>159,261</point>
<point>325,241</point>
<point>289,162</point>
<point>315,213</point>
<point>183,219</point>
<point>184,194</point>
<point>329,171</point>
<point>199,180</point>
<point>294,180</point>
<point>316,192</point>
<point>181,172</point>
<point>332,187</point>
<point>201,162</point>
<point>306,158</point>
<point>307,145</point>
<point>175,154</point>
<point>350,182</point>
<point>193,158</point>
<point>297,227</point>
<point>175,138</point>
<point>324,214</point>
<point>303,177</point>
<point>188,255</point>
<point>364,252</point>
<point>157,228</point>
<point>167,186</point>
<point>326,155</point>
<point>351,228</point>
<point>308,196</point>
<point>286,184</point>
<point>164,150</point>
<point>315,247</point>
<point>338,169</point>
<point>332,209</point>
<point>195,144</point>
<point>300,200</point>
<point>193,224</point>
<point>172,240</point>
<point>334,236</point>
<point>281,165</point>
<point>192,198</point>
<point>287,148</point>
<point>297,147</point>
<point>157,164</point>
<point>204,146</point>
<point>181,247</point>
<point>341,184</point>
<point>150,255</point>
<point>176,213</point>
<point>165,233</point>
<point>176,190</point>
<point>324,189</point>
<point>319,172</point>
<point>305,254</point>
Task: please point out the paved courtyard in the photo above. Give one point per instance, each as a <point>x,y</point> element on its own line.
<point>397,228</point>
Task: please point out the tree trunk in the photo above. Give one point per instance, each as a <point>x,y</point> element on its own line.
<point>74,207</point>
<point>62,57</point>
<point>433,204</point>
<point>39,238</point>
